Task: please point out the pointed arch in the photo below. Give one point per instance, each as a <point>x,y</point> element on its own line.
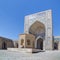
<point>37,28</point>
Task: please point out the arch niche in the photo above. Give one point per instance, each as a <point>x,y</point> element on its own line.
<point>38,30</point>
<point>4,45</point>
<point>39,43</point>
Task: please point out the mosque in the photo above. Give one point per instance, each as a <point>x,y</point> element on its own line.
<point>38,33</point>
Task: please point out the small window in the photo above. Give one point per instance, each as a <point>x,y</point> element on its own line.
<point>22,41</point>
<point>28,42</point>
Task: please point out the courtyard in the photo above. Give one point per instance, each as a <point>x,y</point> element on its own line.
<point>48,55</point>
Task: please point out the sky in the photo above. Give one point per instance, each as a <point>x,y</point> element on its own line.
<point>12,13</point>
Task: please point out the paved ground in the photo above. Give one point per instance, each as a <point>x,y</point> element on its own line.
<point>8,55</point>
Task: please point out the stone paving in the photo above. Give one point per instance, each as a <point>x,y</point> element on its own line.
<point>48,55</point>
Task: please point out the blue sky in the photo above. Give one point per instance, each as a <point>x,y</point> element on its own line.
<point>12,14</point>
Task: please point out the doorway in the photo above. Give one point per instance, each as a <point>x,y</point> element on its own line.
<point>4,45</point>
<point>55,46</point>
<point>40,44</point>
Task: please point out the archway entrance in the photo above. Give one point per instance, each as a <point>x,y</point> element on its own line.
<point>4,45</point>
<point>16,45</point>
<point>40,44</point>
<point>55,46</point>
<point>38,30</point>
